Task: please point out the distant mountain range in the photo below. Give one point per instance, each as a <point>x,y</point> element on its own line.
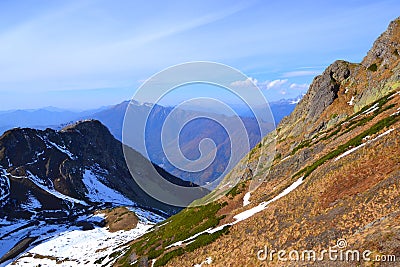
<point>112,116</point>
<point>48,117</point>
<point>189,138</point>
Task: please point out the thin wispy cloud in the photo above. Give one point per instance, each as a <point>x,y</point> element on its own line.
<point>301,73</point>
<point>79,45</point>
<point>274,88</point>
<point>301,87</point>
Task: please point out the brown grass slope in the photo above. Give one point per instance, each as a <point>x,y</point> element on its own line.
<point>356,197</point>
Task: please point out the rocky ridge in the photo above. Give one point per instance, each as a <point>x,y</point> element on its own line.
<point>339,147</point>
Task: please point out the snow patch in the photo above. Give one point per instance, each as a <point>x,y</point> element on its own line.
<point>207,261</point>
<point>78,248</point>
<point>246,199</point>
<point>146,216</point>
<point>52,191</point>
<point>4,187</point>
<point>99,192</point>
<point>351,102</point>
<point>362,145</point>
<point>243,215</point>
<point>62,149</point>
<point>371,109</point>
<point>294,102</point>
<point>32,203</point>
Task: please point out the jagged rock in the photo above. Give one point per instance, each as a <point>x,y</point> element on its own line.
<point>385,49</point>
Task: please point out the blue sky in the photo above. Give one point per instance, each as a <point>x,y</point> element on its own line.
<point>85,54</point>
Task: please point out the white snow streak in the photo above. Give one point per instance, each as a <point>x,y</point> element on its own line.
<point>351,102</point>
<point>99,192</point>
<point>52,191</point>
<point>371,109</point>
<point>362,145</point>
<point>62,149</point>
<point>390,97</point>
<point>243,215</point>
<point>207,261</point>
<point>246,199</point>
<point>248,213</point>
<point>396,113</point>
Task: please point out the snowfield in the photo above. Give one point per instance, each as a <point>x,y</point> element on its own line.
<point>50,189</point>
<point>99,192</point>
<point>62,245</point>
<point>66,244</point>
<point>76,248</point>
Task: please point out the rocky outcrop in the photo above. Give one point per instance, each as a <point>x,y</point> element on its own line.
<point>344,88</point>
<point>385,50</point>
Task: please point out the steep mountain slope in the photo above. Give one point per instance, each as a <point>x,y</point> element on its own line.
<point>334,182</point>
<point>70,162</point>
<point>52,182</point>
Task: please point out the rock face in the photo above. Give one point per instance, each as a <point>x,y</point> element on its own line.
<point>344,88</point>
<point>324,90</point>
<point>334,176</point>
<point>68,169</point>
<point>385,49</point>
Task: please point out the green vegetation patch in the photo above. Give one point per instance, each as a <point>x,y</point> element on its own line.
<point>206,239</point>
<point>236,190</point>
<point>303,144</point>
<point>168,256</point>
<point>356,141</point>
<point>178,227</point>
<point>373,67</point>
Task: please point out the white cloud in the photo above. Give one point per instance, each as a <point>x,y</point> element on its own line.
<point>275,83</point>
<point>296,86</point>
<point>266,85</point>
<point>300,73</point>
<point>249,82</point>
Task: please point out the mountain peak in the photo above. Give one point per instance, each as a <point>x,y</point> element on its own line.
<point>344,87</point>
<point>87,127</point>
<point>385,49</point>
